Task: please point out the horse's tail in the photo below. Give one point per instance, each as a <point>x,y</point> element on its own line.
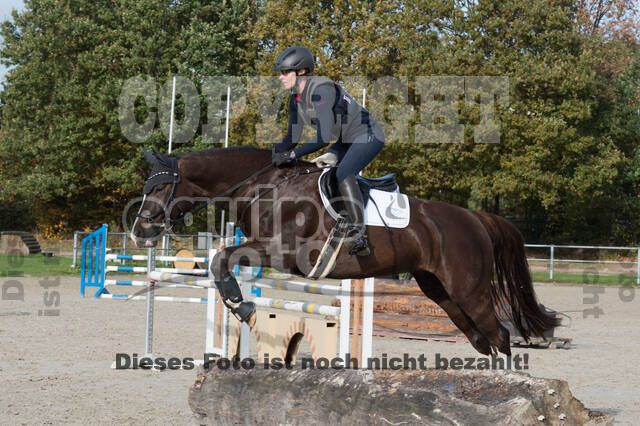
<point>512,289</point>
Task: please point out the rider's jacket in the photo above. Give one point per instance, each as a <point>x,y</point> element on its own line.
<point>336,116</point>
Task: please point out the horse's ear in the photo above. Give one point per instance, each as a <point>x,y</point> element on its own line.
<point>150,158</point>
<point>161,158</point>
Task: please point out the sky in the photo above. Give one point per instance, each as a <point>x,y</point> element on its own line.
<point>5,13</point>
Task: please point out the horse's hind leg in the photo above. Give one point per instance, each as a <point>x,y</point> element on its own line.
<point>477,304</point>
<point>432,287</point>
<point>485,319</point>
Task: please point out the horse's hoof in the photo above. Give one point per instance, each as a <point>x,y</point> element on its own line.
<point>245,312</point>
<point>252,320</point>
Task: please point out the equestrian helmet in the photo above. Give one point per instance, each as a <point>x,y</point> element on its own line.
<point>294,58</point>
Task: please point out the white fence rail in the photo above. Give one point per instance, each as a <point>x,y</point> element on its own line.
<point>553,260</point>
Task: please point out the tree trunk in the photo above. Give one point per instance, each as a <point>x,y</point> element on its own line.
<point>383,397</point>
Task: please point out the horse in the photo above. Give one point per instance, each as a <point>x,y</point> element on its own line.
<point>471,263</point>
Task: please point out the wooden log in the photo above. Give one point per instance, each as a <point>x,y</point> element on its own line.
<point>415,324</point>
<point>406,288</point>
<point>409,305</point>
<point>184,264</point>
<point>262,396</point>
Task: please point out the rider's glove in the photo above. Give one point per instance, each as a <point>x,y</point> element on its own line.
<point>280,159</point>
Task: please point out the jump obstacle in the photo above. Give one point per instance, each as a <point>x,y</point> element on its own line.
<point>277,334</point>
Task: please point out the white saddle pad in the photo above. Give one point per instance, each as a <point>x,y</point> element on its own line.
<point>392,208</point>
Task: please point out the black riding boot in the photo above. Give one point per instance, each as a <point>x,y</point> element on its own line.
<point>356,241</point>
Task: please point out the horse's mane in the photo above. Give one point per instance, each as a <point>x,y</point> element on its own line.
<point>245,149</point>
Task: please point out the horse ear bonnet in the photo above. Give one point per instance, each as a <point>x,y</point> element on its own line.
<point>165,170</point>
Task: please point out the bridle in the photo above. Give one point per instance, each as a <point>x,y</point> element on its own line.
<point>149,218</point>
<point>182,214</point>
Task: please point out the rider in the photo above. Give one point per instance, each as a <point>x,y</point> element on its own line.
<point>337,116</point>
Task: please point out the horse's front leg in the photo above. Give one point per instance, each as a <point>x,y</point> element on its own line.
<point>253,254</point>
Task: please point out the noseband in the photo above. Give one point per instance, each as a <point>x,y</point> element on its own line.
<point>174,183</point>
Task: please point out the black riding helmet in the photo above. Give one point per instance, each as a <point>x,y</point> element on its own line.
<point>294,58</point>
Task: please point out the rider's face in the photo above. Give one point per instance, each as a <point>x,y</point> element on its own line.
<point>288,79</point>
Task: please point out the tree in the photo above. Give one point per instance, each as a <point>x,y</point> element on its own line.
<point>62,148</point>
<point>610,19</point>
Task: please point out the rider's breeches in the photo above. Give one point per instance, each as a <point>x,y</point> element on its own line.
<point>360,153</point>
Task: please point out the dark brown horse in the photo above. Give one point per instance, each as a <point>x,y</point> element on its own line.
<point>472,264</point>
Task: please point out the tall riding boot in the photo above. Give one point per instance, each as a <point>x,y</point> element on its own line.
<point>356,241</point>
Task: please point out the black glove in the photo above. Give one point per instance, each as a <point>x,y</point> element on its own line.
<point>280,159</point>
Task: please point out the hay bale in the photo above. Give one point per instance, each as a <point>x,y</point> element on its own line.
<point>366,397</point>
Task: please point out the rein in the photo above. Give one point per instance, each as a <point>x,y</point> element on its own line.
<point>180,218</point>
<point>212,200</point>
<point>224,194</point>
<point>286,178</point>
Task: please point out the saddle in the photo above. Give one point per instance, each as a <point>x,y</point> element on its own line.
<point>329,187</point>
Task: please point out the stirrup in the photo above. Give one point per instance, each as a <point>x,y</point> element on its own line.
<point>359,247</point>
<point>356,242</point>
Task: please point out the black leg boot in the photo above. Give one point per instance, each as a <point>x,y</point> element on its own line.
<point>232,298</point>
<point>356,241</point>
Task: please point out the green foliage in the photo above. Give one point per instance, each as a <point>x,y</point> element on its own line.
<point>36,265</point>
<point>62,147</point>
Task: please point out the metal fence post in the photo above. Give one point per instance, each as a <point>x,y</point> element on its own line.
<point>75,250</point>
<point>165,247</point>
<point>638,268</point>
<point>229,234</point>
<point>551,264</point>
<point>124,246</point>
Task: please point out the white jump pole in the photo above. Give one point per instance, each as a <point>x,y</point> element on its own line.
<point>148,336</point>
<point>345,313</point>
<point>226,140</point>
<point>364,105</point>
<point>367,321</point>
<point>173,102</point>
<point>211,319</point>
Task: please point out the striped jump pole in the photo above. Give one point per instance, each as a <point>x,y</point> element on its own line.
<point>158,258</point>
<point>143,269</point>
<point>156,298</point>
<point>294,306</point>
<point>305,287</point>
<point>158,275</point>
